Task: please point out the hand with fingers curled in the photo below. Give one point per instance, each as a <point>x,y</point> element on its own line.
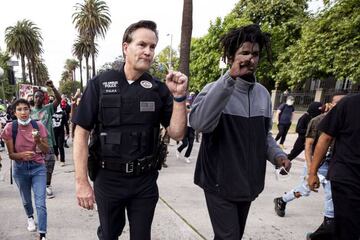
<point>283,162</point>
<point>177,83</point>
<point>27,155</point>
<point>314,182</point>
<point>85,195</point>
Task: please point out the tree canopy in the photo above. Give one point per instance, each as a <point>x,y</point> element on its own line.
<point>304,46</point>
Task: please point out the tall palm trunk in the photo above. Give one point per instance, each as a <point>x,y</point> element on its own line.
<point>93,63</point>
<point>34,68</point>
<point>87,69</point>
<point>22,57</point>
<point>81,78</point>
<point>30,72</point>
<point>186,31</point>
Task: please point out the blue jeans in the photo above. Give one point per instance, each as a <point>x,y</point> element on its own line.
<point>27,175</point>
<point>304,190</point>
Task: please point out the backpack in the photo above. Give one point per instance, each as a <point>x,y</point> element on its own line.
<point>15,126</point>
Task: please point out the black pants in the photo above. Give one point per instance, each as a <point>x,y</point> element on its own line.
<point>115,193</point>
<point>188,141</point>
<point>298,147</point>
<point>228,218</point>
<point>346,198</point>
<point>283,130</point>
<point>59,143</point>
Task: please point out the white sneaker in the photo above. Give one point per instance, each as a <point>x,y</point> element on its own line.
<point>49,192</point>
<point>43,238</point>
<point>31,225</point>
<point>187,160</point>
<point>62,164</point>
<point>177,154</point>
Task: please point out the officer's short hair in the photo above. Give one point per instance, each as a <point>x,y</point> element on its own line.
<point>141,24</point>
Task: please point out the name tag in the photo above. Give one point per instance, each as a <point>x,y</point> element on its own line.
<point>147,106</point>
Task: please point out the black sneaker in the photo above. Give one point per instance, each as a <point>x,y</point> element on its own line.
<point>279,206</point>
<point>324,231</point>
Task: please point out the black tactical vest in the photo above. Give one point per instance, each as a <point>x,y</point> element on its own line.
<point>129,117</point>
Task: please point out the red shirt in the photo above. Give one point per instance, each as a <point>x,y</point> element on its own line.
<point>24,139</point>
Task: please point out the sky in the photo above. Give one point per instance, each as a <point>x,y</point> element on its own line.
<point>54,18</point>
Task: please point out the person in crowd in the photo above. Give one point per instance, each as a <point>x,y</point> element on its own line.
<point>313,110</point>
<point>284,116</point>
<point>27,144</point>
<point>61,131</point>
<point>124,109</point>
<point>234,115</point>
<point>342,123</point>
<point>44,114</point>
<point>302,190</point>
<point>189,138</point>
<point>65,106</point>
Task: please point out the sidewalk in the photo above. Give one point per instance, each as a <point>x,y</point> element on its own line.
<point>181,213</point>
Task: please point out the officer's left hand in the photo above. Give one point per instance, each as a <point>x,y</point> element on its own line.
<point>177,83</point>
<point>283,162</point>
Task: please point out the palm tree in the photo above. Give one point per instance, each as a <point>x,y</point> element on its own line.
<point>186,31</point>
<point>24,40</point>
<point>92,19</point>
<point>71,65</point>
<point>42,73</point>
<point>83,48</point>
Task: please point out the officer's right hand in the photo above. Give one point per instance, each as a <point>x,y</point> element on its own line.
<point>85,195</point>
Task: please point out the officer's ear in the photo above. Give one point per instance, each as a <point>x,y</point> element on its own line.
<point>125,45</point>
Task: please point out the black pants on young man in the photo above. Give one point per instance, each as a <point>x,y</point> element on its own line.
<point>228,218</point>
<point>346,198</point>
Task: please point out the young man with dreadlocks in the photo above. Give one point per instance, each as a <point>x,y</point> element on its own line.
<point>235,116</point>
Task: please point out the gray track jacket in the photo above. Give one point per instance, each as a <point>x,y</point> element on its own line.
<point>235,119</point>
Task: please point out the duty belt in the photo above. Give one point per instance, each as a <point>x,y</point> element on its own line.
<point>131,168</point>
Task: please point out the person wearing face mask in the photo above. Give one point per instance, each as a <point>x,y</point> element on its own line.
<point>284,116</point>
<point>27,144</point>
<point>234,115</point>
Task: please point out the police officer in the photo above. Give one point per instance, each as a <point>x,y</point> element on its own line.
<point>124,109</point>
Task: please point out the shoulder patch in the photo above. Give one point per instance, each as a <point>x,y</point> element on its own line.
<point>146,84</point>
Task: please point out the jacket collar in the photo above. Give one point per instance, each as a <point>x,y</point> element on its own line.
<point>244,85</point>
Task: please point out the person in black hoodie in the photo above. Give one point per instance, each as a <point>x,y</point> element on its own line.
<point>314,110</point>
<point>60,122</point>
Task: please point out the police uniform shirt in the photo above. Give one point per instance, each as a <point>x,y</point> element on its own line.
<point>88,109</point>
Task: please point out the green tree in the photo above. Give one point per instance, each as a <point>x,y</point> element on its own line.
<point>9,90</point>
<point>281,18</point>
<point>92,19</point>
<point>24,40</point>
<point>82,48</point>
<point>71,65</point>
<point>161,64</point>
<point>329,46</point>
<point>69,87</point>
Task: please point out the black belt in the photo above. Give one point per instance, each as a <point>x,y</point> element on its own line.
<point>131,168</point>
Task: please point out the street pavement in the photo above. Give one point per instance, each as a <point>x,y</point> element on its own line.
<point>181,212</point>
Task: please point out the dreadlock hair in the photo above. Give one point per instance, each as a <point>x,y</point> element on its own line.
<point>234,39</point>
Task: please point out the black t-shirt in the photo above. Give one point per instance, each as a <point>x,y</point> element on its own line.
<point>86,114</point>
<point>286,113</point>
<point>343,123</point>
